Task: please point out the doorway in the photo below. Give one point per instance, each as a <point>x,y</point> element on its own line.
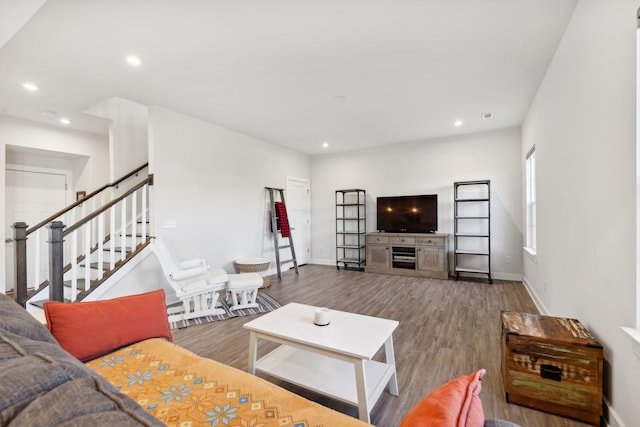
<point>31,195</point>
<point>299,213</point>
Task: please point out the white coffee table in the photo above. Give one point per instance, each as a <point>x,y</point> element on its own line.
<point>334,360</point>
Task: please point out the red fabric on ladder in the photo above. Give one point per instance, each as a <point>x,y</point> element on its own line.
<point>283,221</point>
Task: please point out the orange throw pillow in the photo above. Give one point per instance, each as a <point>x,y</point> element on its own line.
<point>91,329</point>
<point>454,404</point>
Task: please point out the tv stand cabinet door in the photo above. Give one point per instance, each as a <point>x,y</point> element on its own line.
<point>432,255</point>
<point>378,256</point>
<point>431,258</point>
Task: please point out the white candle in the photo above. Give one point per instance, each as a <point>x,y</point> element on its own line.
<point>321,316</point>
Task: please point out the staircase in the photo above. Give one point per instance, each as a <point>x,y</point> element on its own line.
<point>69,254</point>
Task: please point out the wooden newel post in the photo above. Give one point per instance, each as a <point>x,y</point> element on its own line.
<point>56,261</point>
<point>20,237</point>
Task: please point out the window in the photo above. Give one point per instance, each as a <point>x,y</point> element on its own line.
<point>530,199</point>
<point>634,333</point>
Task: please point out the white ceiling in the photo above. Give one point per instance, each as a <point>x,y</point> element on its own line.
<point>402,70</point>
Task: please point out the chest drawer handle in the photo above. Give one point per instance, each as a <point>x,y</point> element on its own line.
<point>551,372</point>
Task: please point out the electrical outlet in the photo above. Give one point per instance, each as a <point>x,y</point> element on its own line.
<point>321,249</point>
<point>507,259</point>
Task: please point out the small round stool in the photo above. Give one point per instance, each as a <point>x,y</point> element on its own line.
<point>254,265</point>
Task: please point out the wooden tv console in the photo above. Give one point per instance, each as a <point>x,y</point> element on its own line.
<point>408,254</point>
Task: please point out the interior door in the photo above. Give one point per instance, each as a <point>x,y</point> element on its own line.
<point>298,200</point>
<point>31,196</point>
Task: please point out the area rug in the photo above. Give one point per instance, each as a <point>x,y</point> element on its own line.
<point>265,302</point>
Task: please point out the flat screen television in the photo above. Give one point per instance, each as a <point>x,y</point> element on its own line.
<point>408,214</point>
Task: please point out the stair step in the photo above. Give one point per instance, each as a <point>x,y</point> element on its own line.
<point>79,282</point>
<point>40,303</point>
<point>116,249</point>
<point>95,266</point>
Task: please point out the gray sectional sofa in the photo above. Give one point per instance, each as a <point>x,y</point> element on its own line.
<point>41,384</point>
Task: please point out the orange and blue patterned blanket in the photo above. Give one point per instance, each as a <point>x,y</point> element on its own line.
<point>184,390</point>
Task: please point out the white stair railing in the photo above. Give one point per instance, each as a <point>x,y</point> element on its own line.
<point>33,252</point>
<point>117,221</point>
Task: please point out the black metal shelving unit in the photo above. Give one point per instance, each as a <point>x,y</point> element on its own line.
<point>472,228</point>
<point>351,227</point>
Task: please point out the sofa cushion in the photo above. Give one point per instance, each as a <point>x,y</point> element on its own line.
<point>41,384</point>
<point>90,329</point>
<point>97,404</point>
<point>14,318</point>
<point>454,404</point>
<point>35,374</point>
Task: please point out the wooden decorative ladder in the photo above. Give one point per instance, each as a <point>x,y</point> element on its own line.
<point>280,221</point>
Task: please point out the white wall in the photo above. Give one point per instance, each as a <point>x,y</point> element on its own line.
<point>582,123</point>
<point>128,138</point>
<point>141,274</point>
<point>88,153</point>
<point>210,181</point>
<point>426,167</point>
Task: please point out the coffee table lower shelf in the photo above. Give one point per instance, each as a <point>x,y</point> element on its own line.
<point>326,375</point>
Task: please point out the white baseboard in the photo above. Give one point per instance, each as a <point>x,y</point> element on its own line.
<point>494,275</point>
<point>536,300</point>
<point>507,276</point>
<point>321,261</point>
<point>613,418</point>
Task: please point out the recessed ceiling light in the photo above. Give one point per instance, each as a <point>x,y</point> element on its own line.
<point>457,123</point>
<point>48,113</point>
<point>325,144</point>
<point>487,115</point>
<point>31,87</point>
<point>339,98</point>
<point>65,121</point>
<point>134,61</point>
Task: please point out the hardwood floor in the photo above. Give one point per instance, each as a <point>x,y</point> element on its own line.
<point>447,329</point>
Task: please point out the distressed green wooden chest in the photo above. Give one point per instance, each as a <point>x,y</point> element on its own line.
<point>552,364</point>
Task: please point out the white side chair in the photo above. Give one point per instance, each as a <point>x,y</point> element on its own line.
<point>196,285</point>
